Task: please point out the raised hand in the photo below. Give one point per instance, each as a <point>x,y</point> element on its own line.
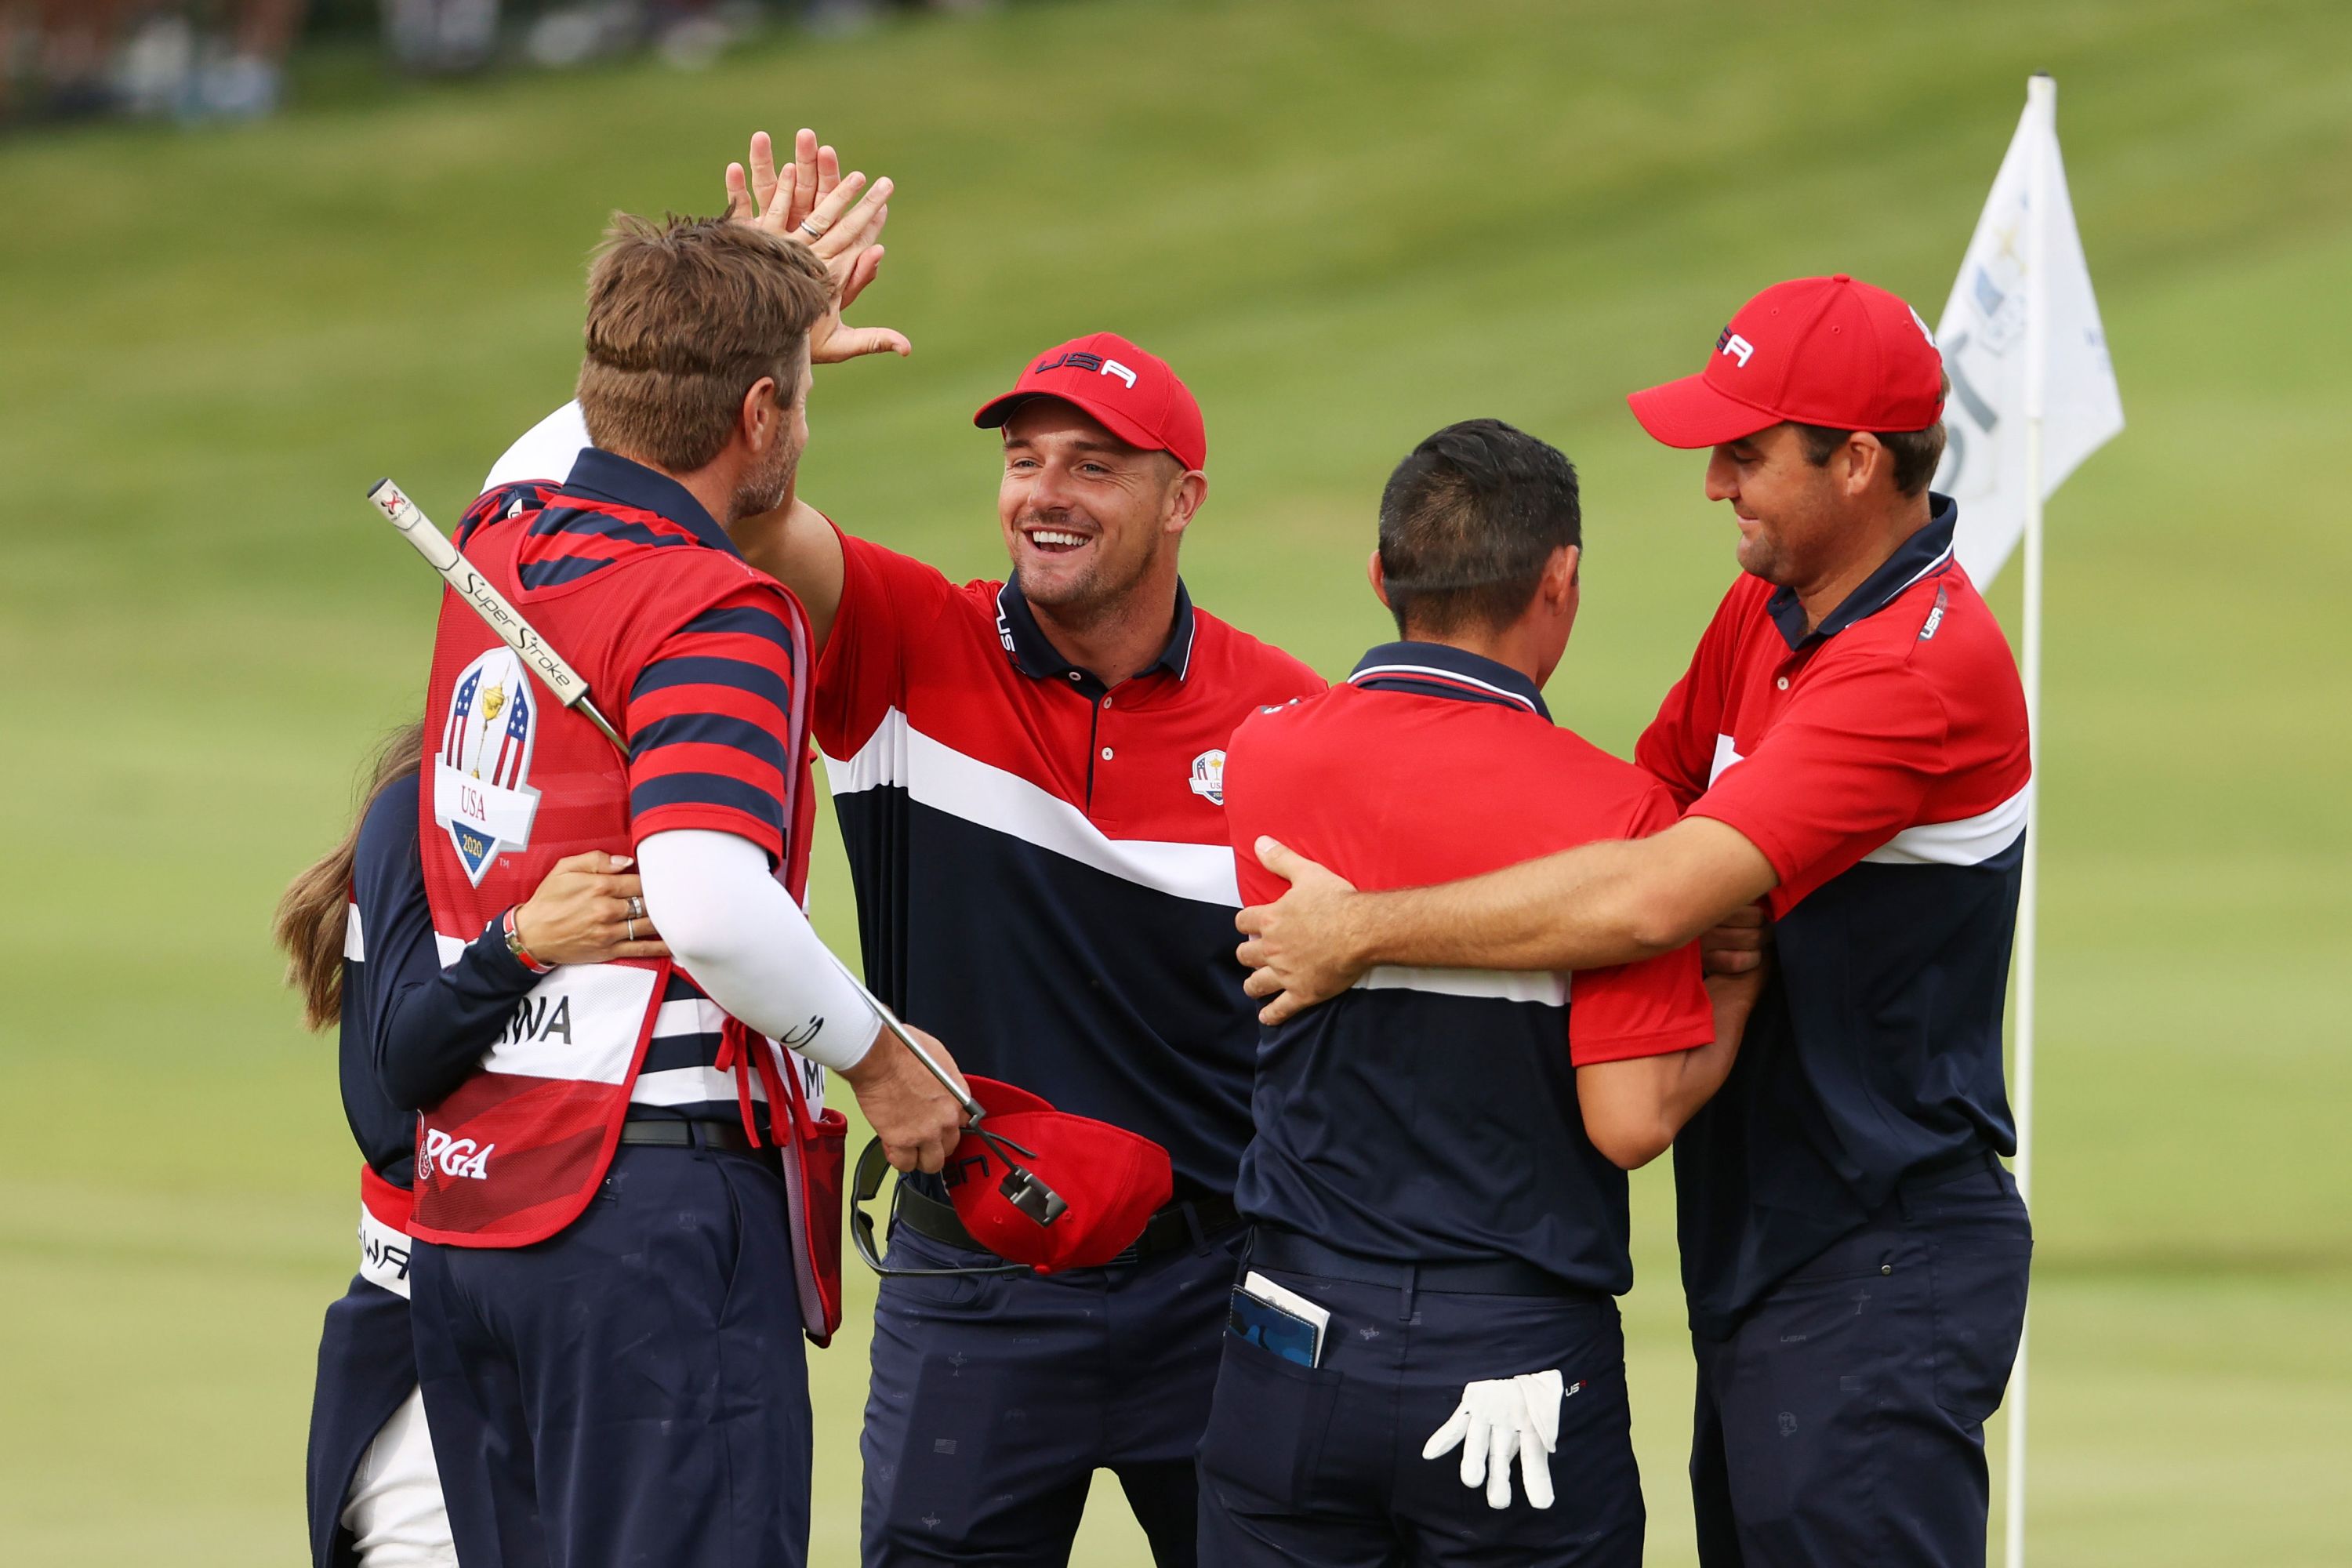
<point>836,217</point>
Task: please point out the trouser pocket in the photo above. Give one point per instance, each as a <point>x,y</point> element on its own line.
<point>1268,1423</point>
<point>1980,1270</point>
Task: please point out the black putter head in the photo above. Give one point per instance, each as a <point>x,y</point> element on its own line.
<point>1027,1191</point>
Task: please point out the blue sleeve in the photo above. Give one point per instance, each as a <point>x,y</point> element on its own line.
<point>429,1026</point>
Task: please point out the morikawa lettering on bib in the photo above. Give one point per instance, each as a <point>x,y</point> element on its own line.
<point>480,793</point>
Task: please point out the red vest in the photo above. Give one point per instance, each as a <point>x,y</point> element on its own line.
<point>513,782</point>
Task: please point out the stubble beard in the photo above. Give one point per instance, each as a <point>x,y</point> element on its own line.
<point>1763,557</point>
<point>1095,598</point>
<point>765,488</point>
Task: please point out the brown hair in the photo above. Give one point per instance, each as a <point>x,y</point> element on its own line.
<point>684,317</point>
<point>313,912</point>
<point>1915,452</point>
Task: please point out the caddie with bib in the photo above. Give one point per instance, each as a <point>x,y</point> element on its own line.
<point>628,1214</point>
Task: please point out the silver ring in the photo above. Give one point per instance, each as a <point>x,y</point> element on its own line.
<point>633,930</point>
<point>810,226</point>
<point>636,907</point>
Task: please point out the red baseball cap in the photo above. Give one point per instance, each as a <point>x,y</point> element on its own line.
<point>1132,393</point>
<point>1817,351</point>
<point>1111,1181</point>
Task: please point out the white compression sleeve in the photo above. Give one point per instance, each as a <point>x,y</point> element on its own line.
<point>734,929</point>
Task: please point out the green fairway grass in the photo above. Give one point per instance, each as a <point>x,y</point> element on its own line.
<point>1346,223</point>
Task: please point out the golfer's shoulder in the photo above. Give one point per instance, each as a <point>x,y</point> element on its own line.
<point>1937,633</point>
<point>1286,734</point>
<point>874,572</point>
<point>1611,795</point>
<point>1243,668</point>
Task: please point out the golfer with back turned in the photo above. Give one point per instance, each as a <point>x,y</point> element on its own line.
<point>608,1295</point>
<point>1849,747</point>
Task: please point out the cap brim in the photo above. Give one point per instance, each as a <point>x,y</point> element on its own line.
<point>1690,413</point>
<point>997,410</point>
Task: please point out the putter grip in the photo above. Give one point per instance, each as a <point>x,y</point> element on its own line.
<point>476,590</point>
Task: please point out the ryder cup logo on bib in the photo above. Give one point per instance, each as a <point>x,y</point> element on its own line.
<point>479,793</point>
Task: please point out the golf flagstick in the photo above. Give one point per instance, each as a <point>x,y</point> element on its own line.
<point>519,635</point>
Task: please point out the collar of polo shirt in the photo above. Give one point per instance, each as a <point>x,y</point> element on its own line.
<point>1441,669</point>
<point>1923,552</point>
<point>1035,655</point>
<point>608,476</point>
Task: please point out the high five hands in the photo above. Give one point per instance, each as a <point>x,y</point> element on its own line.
<point>812,201</point>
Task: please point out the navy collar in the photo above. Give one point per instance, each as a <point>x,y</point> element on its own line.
<point>1035,655</point>
<point>1925,552</point>
<point>1441,669</point>
<point>608,476</point>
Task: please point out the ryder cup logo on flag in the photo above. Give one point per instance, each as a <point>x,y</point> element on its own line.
<point>1986,335</point>
<point>480,790</point>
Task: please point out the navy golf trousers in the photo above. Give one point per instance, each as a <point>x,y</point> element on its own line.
<point>1323,1466</point>
<point>367,1368</point>
<point>995,1399</point>
<point>1842,1422</point>
<point>632,1391</point>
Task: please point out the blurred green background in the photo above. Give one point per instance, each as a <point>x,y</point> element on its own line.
<point>1347,224</point>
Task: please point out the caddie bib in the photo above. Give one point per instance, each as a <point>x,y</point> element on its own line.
<point>513,782</point>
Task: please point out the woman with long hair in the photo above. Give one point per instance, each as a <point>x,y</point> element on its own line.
<point>360,950</point>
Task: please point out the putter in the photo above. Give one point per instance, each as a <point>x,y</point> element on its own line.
<point>1022,1186</point>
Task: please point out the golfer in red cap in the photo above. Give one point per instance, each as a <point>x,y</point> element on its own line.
<point>1848,747</point>
<point>1029,776</point>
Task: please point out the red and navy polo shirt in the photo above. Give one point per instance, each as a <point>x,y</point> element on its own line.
<point>1432,1114</point>
<point>1880,763</point>
<point>706,717</point>
<point>1042,872</point>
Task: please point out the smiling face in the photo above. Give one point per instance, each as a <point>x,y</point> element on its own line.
<point>1087,519</point>
<point>1795,516</point>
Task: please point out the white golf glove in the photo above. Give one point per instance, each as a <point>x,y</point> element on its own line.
<point>1498,1419</point>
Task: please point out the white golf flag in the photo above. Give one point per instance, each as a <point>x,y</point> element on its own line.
<point>1986,342</point>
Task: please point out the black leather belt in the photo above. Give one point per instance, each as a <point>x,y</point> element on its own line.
<point>1181,1225</point>
<point>1271,1246</point>
<point>684,1132</point>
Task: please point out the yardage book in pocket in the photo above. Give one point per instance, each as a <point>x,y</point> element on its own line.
<point>1283,1322</point>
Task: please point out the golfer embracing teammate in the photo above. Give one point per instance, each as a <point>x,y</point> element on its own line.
<point>1849,747</point>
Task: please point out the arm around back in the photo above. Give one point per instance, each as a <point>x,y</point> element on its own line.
<point>747,943</point>
<point>1586,907</point>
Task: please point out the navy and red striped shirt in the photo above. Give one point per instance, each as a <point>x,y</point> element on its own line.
<point>706,712</point>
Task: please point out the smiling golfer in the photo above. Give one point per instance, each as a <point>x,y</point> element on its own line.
<point>1849,745</point>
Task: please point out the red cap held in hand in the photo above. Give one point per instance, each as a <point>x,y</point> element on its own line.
<point>1112,1180</point>
<point>1814,351</point>
<point>1133,395</point>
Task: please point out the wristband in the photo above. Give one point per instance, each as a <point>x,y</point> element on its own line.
<point>514,945</point>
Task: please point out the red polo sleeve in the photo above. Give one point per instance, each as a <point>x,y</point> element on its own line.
<point>1679,748</point>
<point>1648,1009</point>
<point>885,598</point>
<point>1843,769</point>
